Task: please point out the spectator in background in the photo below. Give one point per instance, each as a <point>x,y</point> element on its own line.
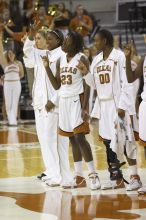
<point>8,22</point>
<point>38,13</point>
<point>63,12</point>
<point>28,9</point>
<point>7,18</point>
<point>61,19</point>
<point>42,16</point>
<point>13,72</point>
<point>17,36</point>
<point>3,5</point>
<point>82,24</point>
<point>16,14</point>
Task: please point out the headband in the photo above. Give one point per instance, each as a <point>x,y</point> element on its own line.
<point>56,34</point>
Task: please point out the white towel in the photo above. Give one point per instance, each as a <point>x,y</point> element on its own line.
<point>123,138</point>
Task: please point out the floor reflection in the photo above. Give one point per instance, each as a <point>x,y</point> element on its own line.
<point>68,207</point>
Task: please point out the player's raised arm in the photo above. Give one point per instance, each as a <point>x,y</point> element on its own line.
<point>84,68</point>
<point>55,80</point>
<point>132,75</point>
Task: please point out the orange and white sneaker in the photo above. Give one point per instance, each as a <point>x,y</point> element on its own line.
<point>94,182</point>
<point>142,190</point>
<point>79,182</point>
<point>134,183</point>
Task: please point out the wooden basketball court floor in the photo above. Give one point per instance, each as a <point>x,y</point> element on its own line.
<point>23,197</point>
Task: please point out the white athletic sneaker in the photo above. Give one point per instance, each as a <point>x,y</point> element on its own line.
<point>69,185</point>
<point>45,178</point>
<point>51,183</point>
<point>142,190</point>
<point>134,183</point>
<point>94,182</point>
<point>113,184</point>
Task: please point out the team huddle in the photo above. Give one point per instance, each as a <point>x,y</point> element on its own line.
<point>61,93</point>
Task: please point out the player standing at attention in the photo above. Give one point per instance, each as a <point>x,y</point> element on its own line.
<point>132,76</point>
<point>73,103</point>
<point>45,103</point>
<point>108,77</point>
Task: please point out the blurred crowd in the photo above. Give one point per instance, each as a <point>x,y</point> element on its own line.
<point>16,17</point>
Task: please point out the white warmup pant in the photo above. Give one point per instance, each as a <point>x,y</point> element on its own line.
<point>12,92</point>
<point>53,146</point>
<point>142,121</point>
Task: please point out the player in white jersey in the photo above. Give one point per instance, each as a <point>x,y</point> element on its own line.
<point>13,72</point>
<point>108,77</point>
<point>72,110</point>
<point>132,76</point>
<point>53,146</point>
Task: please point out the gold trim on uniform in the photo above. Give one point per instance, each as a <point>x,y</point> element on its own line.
<point>83,128</point>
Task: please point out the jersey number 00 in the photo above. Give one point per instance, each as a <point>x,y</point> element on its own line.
<point>104,78</point>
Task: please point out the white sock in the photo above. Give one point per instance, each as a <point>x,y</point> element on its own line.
<point>79,167</point>
<point>133,170</point>
<point>90,166</point>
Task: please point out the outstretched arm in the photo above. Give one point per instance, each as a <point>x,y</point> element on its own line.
<point>132,75</point>
<point>88,76</point>
<point>55,80</point>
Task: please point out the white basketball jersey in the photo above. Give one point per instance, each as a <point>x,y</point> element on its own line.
<point>12,72</point>
<point>71,78</point>
<point>103,75</point>
<point>143,95</point>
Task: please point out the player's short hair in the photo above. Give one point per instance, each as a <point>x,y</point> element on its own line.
<point>59,35</point>
<point>108,36</point>
<point>78,42</point>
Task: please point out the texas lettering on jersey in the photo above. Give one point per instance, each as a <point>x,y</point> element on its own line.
<point>103,68</point>
<point>68,70</point>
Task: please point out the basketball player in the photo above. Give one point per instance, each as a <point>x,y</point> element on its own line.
<point>109,78</point>
<point>13,72</point>
<point>72,104</point>
<point>132,76</point>
<point>53,146</point>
